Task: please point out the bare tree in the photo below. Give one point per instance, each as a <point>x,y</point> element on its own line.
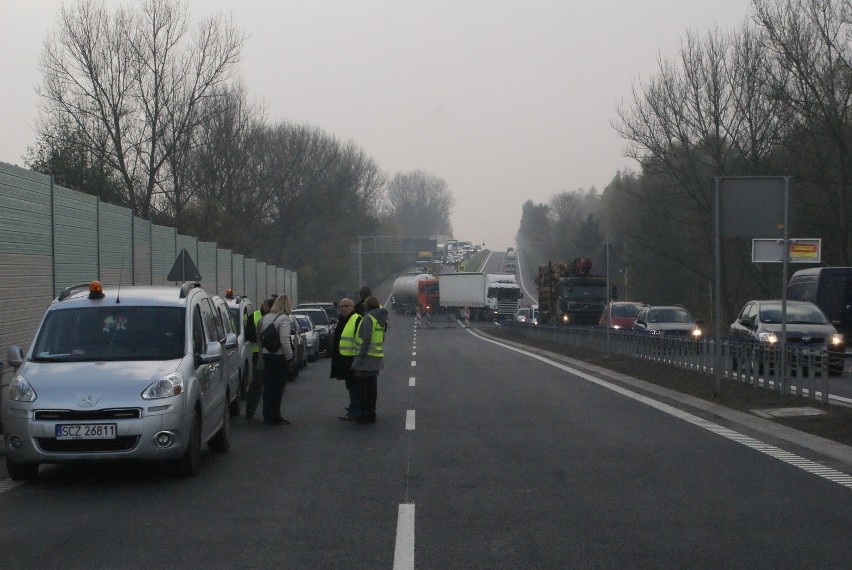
<point>224,193</point>
<point>809,41</point>
<point>139,75</point>
<point>420,203</point>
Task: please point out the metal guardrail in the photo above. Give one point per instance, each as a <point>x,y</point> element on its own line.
<point>756,365</point>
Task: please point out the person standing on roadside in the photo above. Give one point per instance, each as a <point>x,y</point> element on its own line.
<point>369,342</point>
<point>255,388</point>
<point>363,293</point>
<point>343,353</point>
<point>276,365</point>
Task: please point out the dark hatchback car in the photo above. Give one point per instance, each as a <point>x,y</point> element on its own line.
<point>669,320</point>
<point>807,327</point>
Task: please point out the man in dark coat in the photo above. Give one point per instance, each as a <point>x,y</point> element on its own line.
<point>363,293</point>
<point>341,363</point>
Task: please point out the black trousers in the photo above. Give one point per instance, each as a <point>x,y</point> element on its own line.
<point>276,373</point>
<point>367,389</point>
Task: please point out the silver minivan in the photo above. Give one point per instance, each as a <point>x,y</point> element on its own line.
<point>134,373</point>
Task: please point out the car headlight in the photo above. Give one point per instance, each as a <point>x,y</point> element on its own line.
<point>767,337</point>
<point>166,387</point>
<point>696,333</point>
<point>21,391</point>
<point>835,340</point>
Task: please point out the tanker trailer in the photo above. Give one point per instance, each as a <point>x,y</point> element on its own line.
<point>411,290</point>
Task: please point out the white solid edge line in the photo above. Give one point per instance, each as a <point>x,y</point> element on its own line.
<point>8,484</point>
<point>403,553</point>
<point>409,420</point>
<point>755,444</point>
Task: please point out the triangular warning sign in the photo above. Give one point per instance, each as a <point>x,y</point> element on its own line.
<point>184,269</point>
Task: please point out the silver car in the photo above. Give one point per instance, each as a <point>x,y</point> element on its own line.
<point>311,336</point>
<point>242,313</point>
<point>135,373</point>
<point>231,362</point>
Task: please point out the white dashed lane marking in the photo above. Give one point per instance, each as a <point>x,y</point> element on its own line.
<point>403,554</point>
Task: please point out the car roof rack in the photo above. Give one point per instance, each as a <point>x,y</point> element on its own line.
<point>68,291</point>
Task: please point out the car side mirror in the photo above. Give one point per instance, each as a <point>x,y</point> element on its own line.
<point>699,321</point>
<point>231,340</point>
<point>15,356</point>
<point>212,354</point>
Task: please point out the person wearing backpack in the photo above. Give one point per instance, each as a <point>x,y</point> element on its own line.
<point>277,353</point>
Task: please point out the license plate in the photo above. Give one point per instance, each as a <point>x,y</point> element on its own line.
<point>86,431</point>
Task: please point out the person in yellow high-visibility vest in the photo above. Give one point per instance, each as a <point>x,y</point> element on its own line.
<point>369,342</point>
<point>255,390</point>
<point>343,352</point>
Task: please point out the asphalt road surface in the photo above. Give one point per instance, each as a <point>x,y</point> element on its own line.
<point>482,457</point>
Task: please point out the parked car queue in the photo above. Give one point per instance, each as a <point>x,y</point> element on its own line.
<point>148,373</point>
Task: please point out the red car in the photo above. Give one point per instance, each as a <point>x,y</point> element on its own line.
<point>620,314</point>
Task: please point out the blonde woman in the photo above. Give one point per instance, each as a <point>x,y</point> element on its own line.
<point>276,364</point>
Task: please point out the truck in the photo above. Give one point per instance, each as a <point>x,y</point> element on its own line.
<point>424,259</point>
<point>504,291</point>
<point>486,295</point>
<point>464,289</point>
<point>409,291</point>
<point>568,294</point>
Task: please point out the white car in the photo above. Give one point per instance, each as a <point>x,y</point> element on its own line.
<point>311,336</point>
<point>139,379</point>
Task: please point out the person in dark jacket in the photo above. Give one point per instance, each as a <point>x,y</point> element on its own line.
<point>363,293</point>
<point>343,353</point>
<point>370,359</point>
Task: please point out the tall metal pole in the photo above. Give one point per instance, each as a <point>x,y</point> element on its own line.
<point>360,256</point>
<point>609,302</point>
<point>785,260</point>
<point>717,294</point>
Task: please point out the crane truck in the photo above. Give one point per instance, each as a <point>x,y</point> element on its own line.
<point>569,294</point>
<point>409,291</point>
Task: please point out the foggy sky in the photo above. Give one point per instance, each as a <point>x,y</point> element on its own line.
<point>505,100</point>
